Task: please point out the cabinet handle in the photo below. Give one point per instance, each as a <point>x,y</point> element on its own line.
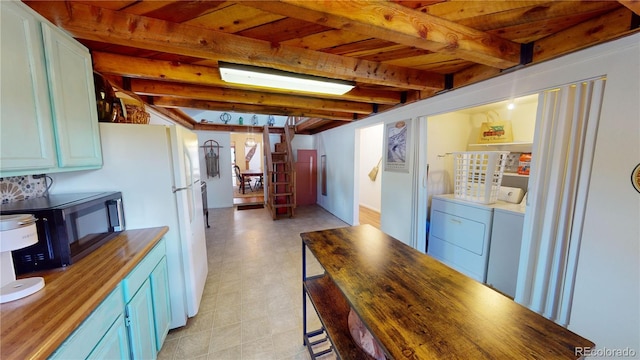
<point>455,221</point>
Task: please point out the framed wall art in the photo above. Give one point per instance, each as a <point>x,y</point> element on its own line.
<point>397,144</point>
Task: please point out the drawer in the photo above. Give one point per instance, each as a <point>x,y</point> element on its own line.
<point>81,343</point>
<point>462,232</point>
<point>141,272</point>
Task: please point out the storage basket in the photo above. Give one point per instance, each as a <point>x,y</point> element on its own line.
<point>478,175</point>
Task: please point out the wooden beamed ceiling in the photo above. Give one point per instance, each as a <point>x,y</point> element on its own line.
<point>396,52</point>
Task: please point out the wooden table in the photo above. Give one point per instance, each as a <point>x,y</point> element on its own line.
<point>249,174</point>
<point>417,307</point>
<point>33,327</point>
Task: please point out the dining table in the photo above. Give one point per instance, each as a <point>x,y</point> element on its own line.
<point>249,173</point>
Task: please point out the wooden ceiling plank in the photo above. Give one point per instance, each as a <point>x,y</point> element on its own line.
<point>234,18</point>
<point>537,13</point>
<point>535,30</point>
<point>328,125</point>
<point>397,23</point>
<point>94,23</point>
<point>133,67</point>
<point>633,5</point>
<point>326,39</point>
<point>283,30</point>
<point>461,11</point>
<point>588,33</point>
<point>160,88</point>
<point>181,11</point>
<point>308,124</point>
<point>473,74</point>
<point>173,102</point>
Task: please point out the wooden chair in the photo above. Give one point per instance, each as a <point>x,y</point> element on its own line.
<point>245,183</point>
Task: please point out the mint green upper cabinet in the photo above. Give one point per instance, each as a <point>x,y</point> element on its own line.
<point>49,120</point>
<point>70,76</point>
<point>25,115</point>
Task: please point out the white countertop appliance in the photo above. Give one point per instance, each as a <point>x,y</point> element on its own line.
<point>16,232</point>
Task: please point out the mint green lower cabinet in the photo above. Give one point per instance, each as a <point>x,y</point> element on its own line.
<point>140,325</point>
<point>82,342</point>
<point>114,344</point>
<point>161,305</point>
<point>133,320</point>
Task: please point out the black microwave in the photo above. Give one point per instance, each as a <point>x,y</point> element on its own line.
<point>70,226</point>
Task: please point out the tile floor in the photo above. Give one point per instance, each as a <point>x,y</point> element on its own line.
<point>252,302</point>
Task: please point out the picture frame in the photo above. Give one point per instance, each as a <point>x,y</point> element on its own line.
<point>397,146</point>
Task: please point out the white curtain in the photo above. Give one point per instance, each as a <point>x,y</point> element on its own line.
<point>564,143</point>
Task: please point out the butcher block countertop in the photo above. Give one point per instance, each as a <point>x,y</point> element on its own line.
<point>418,308</point>
<point>33,327</point>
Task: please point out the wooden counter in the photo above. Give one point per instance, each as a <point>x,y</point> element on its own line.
<point>418,308</point>
<point>34,327</point>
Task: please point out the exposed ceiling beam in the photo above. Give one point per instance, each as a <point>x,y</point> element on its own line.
<point>600,29</point>
<point>633,5</point>
<point>136,67</point>
<point>399,24</point>
<point>161,88</point>
<point>173,102</point>
<point>115,27</point>
<point>178,116</point>
<point>307,124</point>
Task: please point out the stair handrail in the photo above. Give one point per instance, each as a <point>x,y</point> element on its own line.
<point>269,164</point>
<point>289,136</point>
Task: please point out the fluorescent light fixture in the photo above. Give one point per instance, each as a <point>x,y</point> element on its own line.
<point>277,79</point>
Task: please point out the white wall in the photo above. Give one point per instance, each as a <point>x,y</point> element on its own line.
<point>370,154</point>
<point>607,297</point>
<point>447,133</point>
<point>339,148</point>
<point>219,189</point>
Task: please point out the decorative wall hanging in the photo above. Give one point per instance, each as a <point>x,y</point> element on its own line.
<point>397,145</point>
<point>225,118</point>
<point>212,157</point>
<point>254,120</point>
<point>271,121</point>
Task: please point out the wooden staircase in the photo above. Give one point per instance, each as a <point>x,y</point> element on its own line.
<point>281,174</point>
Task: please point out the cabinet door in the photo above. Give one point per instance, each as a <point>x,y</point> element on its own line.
<point>26,131</point>
<point>161,306</point>
<point>84,340</point>
<point>70,75</point>
<point>114,344</point>
<point>141,329</point>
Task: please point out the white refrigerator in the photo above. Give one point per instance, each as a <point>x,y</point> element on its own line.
<point>156,167</point>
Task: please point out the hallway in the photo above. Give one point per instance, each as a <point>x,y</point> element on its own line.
<point>251,307</point>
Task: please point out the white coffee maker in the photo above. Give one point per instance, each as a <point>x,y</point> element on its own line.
<point>16,232</point>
